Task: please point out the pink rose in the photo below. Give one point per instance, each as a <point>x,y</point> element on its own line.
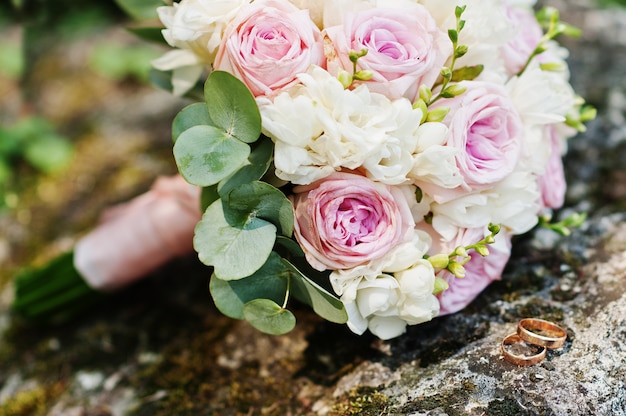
<point>487,131</point>
<point>268,43</point>
<point>345,220</point>
<point>405,48</point>
<point>517,51</point>
<point>552,183</point>
<point>135,238</point>
<point>479,271</point>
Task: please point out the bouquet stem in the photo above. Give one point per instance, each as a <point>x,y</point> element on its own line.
<point>53,292</point>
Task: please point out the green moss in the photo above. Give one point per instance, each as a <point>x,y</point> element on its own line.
<point>539,308</point>
<point>505,407</point>
<point>364,401</point>
<point>32,402</point>
<point>447,402</point>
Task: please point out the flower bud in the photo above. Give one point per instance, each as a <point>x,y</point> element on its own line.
<point>364,75</point>
<point>453,91</point>
<point>461,251</point>
<point>460,51</point>
<point>438,114</point>
<point>420,104</point>
<point>439,261</point>
<point>456,269</point>
<point>494,228</point>
<point>425,93</point>
<point>440,285</point>
<point>552,66</point>
<point>482,250</point>
<point>345,78</point>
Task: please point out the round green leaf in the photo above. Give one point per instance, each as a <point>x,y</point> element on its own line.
<point>205,155</point>
<point>208,196</point>
<point>269,282</point>
<point>232,106</point>
<point>234,252</point>
<point>267,316</point>
<point>192,115</point>
<point>323,303</point>
<point>260,200</point>
<point>258,163</point>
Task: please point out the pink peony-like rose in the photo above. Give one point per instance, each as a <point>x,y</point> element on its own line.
<point>345,220</point>
<point>528,34</point>
<point>487,131</point>
<point>135,238</point>
<point>405,48</point>
<point>268,43</point>
<point>479,271</point>
<point>552,183</point>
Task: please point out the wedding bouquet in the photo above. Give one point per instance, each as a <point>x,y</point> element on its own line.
<point>369,158</point>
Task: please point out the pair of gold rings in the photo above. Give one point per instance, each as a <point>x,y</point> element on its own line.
<point>529,344</point>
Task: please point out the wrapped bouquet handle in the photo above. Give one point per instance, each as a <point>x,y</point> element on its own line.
<point>131,240</point>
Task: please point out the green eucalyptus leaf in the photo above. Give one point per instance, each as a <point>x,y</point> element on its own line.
<point>292,247</point>
<point>232,106</point>
<point>269,282</point>
<point>259,200</point>
<point>208,195</point>
<point>258,163</point>
<point>323,303</point>
<point>140,9</point>
<point>161,79</point>
<point>268,317</point>
<point>467,73</point>
<point>205,155</point>
<point>192,115</point>
<point>234,252</point>
<point>151,34</point>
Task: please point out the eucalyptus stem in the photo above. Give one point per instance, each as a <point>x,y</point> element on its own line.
<point>287,293</point>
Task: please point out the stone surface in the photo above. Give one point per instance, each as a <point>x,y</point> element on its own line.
<point>161,348</point>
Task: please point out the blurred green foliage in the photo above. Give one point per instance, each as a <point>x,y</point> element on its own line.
<point>32,140</point>
<point>118,62</point>
<point>613,2</point>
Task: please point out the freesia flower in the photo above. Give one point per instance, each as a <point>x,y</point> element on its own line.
<point>346,220</point>
<point>479,271</point>
<point>343,129</point>
<point>268,44</point>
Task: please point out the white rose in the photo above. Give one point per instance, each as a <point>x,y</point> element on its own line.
<point>401,257</point>
<point>198,25</point>
<point>512,203</point>
<point>417,284</point>
<point>196,28</point>
<point>376,308</point>
<point>434,163</point>
<point>486,29</point>
<point>541,97</point>
<point>387,327</point>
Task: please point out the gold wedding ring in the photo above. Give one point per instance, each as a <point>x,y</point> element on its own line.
<point>514,349</point>
<point>542,333</point>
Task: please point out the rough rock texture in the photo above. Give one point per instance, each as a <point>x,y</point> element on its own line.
<point>161,348</point>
